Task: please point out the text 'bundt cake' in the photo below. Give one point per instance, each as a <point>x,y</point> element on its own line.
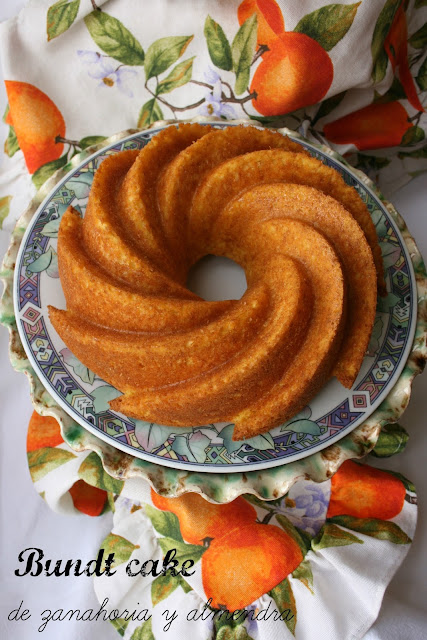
<point>304,238</point>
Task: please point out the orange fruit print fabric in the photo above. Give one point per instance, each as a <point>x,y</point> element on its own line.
<point>244,564</point>
<point>246,554</point>
<point>350,75</point>
<point>353,76</point>
<point>46,451</point>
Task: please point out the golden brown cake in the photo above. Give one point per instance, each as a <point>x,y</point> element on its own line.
<point>304,238</point>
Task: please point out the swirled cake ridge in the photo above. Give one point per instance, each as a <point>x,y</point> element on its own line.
<point>304,238</point>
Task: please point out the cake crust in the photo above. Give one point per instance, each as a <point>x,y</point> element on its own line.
<point>304,238</point>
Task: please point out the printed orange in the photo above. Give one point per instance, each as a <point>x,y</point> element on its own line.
<point>43,431</point>
<point>246,563</point>
<point>37,122</point>
<point>396,46</point>
<point>269,18</point>
<point>287,79</point>
<point>364,492</point>
<point>373,127</point>
<point>200,519</point>
<point>88,499</point>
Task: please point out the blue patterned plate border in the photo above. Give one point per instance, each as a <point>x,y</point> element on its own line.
<point>334,412</point>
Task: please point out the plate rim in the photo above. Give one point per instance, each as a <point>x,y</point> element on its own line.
<point>196,466</point>
<point>373,423</point>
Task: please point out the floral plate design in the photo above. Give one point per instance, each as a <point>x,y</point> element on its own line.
<point>379,396</point>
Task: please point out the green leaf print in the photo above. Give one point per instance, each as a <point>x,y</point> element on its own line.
<point>385,304</point>
<point>370,163</point>
<point>303,426</point>
<point>306,537</point>
<point>101,397</point>
<point>413,135</point>
<point>185,586</point>
<point>118,545</point>
<point>242,52</point>
<point>283,596</point>
<point>164,522</point>
<point>85,374</point>
<point>4,208</point>
<point>114,39</point>
<point>293,533</point>
<point>227,436</point>
<point>382,27</point>
<point>144,632</point>
<point>43,461</point>
<point>48,262</point>
<point>409,486</point>
<point>329,24</point>
<point>60,17</point>
<point>120,625</point>
<point>47,170</point>
<point>415,174</point>
<point>327,106</point>
<point>304,574</point>
<point>268,505</point>
<point>379,67</point>
<point>377,216</point>
<point>218,45</point>
<point>332,536</point>
<point>184,551</point>
<point>379,529</point>
<point>418,40</point>
<point>51,228</point>
<point>422,76</point>
<point>230,626</point>
<point>163,53</point>
<point>6,113</point>
<point>92,472</point>
<point>418,153</point>
<point>374,342</point>
<point>390,253</point>
<point>42,262</point>
<point>272,121</point>
<point>11,145</point>
<point>396,92</point>
<point>163,586</point>
<point>180,75</point>
<point>81,184</point>
<point>88,141</point>
<point>230,632</point>
<point>262,442</point>
<point>191,445</point>
<point>150,112</point>
<point>392,439</point>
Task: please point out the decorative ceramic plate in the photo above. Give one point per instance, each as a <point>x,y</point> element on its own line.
<point>334,412</point>
<point>64,388</point>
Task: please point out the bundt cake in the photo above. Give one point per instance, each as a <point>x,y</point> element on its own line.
<point>304,238</point>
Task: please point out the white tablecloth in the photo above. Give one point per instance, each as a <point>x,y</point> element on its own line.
<point>26,521</point>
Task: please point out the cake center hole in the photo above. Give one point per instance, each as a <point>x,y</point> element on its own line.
<point>217,278</point>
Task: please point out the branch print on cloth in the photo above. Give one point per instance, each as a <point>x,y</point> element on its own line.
<point>352,75</point>
<point>91,489</point>
<point>249,558</point>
